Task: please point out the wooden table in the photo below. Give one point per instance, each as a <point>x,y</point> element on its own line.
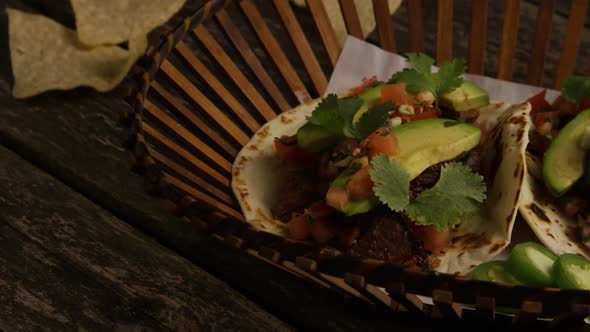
<point>84,246</point>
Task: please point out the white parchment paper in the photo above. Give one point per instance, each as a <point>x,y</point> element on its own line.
<point>359,60</point>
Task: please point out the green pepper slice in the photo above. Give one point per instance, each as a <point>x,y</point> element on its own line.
<point>494,271</point>
<point>532,264</point>
<point>572,272</point>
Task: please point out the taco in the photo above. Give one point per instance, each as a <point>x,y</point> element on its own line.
<point>555,200</point>
<point>420,171</point>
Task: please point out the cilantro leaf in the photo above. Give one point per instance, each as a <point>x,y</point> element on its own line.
<point>415,80</point>
<point>391,182</point>
<point>449,76</point>
<point>457,193</point>
<point>422,62</point>
<point>420,78</point>
<point>371,120</point>
<point>335,114</point>
<point>326,115</point>
<point>575,88</point>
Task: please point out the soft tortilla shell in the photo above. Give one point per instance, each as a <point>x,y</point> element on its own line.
<point>256,181</point>
<point>552,227</point>
<point>482,237</point>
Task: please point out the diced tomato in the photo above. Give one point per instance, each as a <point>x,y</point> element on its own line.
<point>327,171</point>
<point>564,107</point>
<point>292,152</point>
<point>397,94</point>
<point>540,118</point>
<point>319,210</point>
<point>299,226</point>
<point>539,103</point>
<point>364,85</point>
<point>337,197</point>
<point>377,144</point>
<point>432,239</point>
<point>360,184</point>
<point>427,114</point>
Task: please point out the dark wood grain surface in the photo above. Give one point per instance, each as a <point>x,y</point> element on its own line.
<point>68,258</point>
<point>81,267</point>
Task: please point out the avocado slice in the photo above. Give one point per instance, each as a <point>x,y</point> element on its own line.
<point>362,206</point>
<point>563,163</point>
<point>314,138</point>
<point>466,97</point>
<point>427,142</point>
<point>371,94</point>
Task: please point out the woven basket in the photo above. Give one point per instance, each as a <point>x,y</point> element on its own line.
<point>206,89</point>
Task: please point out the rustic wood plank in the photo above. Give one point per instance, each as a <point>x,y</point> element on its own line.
<point>540,41</point>
<point>571,41</point>
<point>477,37</point>
<point>384,26</point>
<point>302,45</point>
<point>351,18</point>
<point>149,278</point>
<point>39,291</point>
<point>509,37</point>
<point>444,32</point>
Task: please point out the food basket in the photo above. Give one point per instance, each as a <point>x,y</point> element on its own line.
<point>231,66</point>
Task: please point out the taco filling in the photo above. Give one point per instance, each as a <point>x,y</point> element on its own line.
<point>558,157</point>
<point>403,171</point>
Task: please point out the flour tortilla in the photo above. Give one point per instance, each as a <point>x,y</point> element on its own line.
<point>553,228</point>
<point>256,182</point>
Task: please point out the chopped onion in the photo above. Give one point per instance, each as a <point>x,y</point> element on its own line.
<point>394,122</point>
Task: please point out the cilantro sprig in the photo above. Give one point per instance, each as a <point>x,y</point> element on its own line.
<point>336,116</point>
<point>457,193</point>
<point>421,77</point>
<point>575,88</point>
<point>391,184</point>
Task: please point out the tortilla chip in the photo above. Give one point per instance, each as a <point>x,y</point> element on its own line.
<point>100,22</point>
<point>48,56</point>
<point>256,180</point>
<point>554,229</point>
